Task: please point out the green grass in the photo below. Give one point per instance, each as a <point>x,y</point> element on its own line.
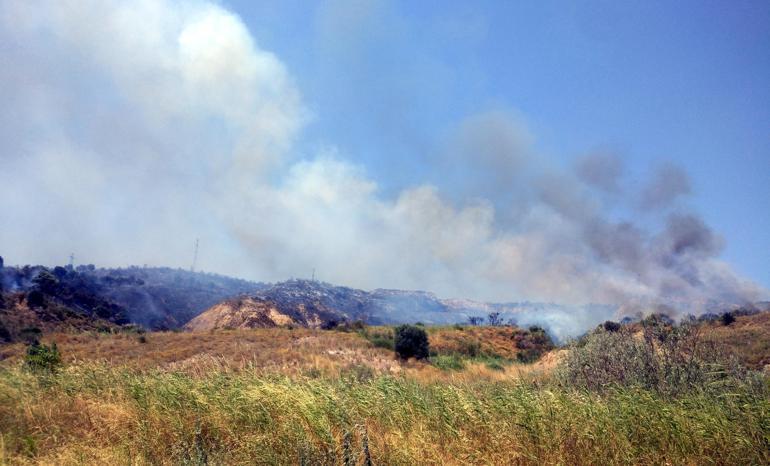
<point>97,414</point>
<point>458,362</point>
<point>448,362</point>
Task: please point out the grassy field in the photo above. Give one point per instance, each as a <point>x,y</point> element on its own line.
<point>279,396</point>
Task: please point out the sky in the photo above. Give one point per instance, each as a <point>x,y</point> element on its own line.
<point>575,152</point>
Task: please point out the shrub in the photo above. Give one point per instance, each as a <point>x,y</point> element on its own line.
<point>381,339</point>
<point>670,360</point>
<point>42,358</point>
<point>410,341</point>
<point>35,298</point>
<point>330,325</point>
<point>611,326</point>
<point>46,281</point>
<point>355,326</point>
<point>727,318</point>
<point>532,344</point>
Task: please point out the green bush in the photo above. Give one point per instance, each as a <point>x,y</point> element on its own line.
<point>410,341</point>
<point>42,358</point>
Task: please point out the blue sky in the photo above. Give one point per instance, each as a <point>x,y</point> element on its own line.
<point>572,152</point>
<point>682,81</point>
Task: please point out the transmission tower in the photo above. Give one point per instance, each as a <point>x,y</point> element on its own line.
<point>195,256</point>
<point>72,259</point>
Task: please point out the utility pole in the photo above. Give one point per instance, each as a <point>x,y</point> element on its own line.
<point>313,279</point>
<point>195,256</point>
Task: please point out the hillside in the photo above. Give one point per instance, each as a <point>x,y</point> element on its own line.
<point>748,338</point>
<point>61,298</point>
<point>315,304</point>
<point>161,298</point>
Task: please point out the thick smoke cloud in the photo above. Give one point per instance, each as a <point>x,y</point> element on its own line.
<point>131,128</point>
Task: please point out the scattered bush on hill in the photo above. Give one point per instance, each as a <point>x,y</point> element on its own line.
<point>727,318</point>
<point>35,299</point>
<point>532,344</point>
<point>381,338</point>
<point>42,358</point>
<point>330,325</point>
<point>355,326</point>
<point>410,341</point>
<point>611,326</point>
<point>666,358</point>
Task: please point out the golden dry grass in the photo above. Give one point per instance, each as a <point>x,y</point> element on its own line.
<point>748,338</point>
<point>274,350</point>
<point>498,341</point>
<point>92,413</point>
<point>280,396</point>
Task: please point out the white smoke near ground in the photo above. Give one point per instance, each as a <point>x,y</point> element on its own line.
<point>131,128</point>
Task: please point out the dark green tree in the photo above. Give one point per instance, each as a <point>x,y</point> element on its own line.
<point>727,318</point>
<point>410,341</point>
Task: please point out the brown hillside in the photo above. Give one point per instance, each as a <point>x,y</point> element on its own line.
<point>240,313</point>
<point>748,338</point>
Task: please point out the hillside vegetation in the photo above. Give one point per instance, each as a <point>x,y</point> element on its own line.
<point>309,396</point>
<point>86,297</point>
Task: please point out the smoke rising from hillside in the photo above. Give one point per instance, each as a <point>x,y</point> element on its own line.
<point>131,128</point>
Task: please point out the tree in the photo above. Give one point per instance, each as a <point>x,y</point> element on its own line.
<point>494,319</point>
<point>475,320</point>
<point>727,318</point>
<point>410,341</point>
<point>35,299</point>
<point>611,326</point>
<point>59,272</point>
<point>46,281</point>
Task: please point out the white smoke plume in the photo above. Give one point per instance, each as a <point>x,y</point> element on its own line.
<point>130,128</point>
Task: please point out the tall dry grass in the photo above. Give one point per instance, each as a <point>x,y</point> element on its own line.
<point>94,413</point>
<point>279,396</point>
